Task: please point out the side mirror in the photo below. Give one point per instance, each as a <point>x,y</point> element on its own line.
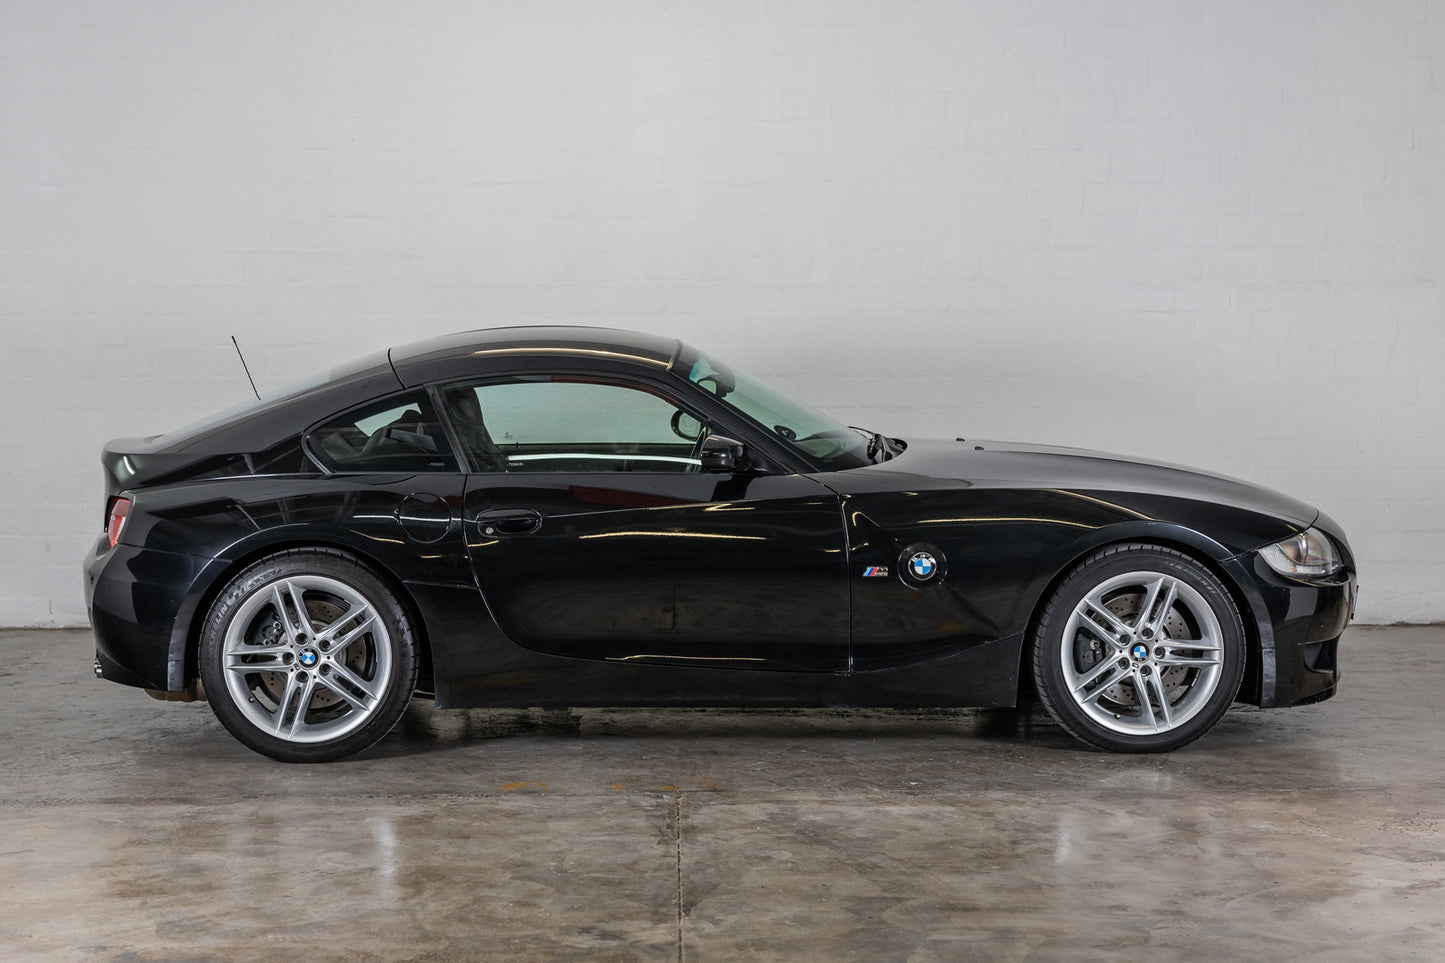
<point>719,454</point>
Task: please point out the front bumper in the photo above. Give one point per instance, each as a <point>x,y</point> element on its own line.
<point>1297,625</point>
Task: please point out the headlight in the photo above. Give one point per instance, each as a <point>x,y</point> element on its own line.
<point>1306,555</point>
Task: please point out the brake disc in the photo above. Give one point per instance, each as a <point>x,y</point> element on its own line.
<point>321,613</point>
<point>1126,607</point>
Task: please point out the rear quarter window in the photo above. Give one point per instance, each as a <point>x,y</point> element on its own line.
<point>397,434</point>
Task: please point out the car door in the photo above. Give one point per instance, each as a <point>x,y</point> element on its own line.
<point>594,533</point>
<point>394,488</point>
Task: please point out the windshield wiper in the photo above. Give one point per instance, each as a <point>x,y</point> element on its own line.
<point>877,444</point>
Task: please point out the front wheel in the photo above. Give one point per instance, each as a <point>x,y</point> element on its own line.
<point>308,656</point>
<point>1139,649</point>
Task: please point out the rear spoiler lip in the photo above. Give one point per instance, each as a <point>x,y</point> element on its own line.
<point>125,460</point>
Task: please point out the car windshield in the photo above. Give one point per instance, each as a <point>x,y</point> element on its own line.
<point>829,444</point>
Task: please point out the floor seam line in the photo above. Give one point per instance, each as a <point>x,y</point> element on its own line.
<point>677,836</point>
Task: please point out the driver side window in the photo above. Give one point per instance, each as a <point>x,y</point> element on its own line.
<point>558,423</point>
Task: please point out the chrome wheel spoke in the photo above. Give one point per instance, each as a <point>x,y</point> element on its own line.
<point>1097,618</point>
<point>359,623</point>
<point>362,693</point>
<point>1154,687</point>
<point>256,658</point>
<point>302,619</point>
<point>293,624</point>
<point>1159,598</point>
<point>1210,655</point>
<point>1106,673</point>
<point>298,721</point>
<point>283,704</point>
<point>1141,693</point>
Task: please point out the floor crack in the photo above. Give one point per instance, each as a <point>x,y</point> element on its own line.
<point>677,837</point>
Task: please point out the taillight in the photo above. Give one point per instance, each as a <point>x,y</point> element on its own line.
<point>119,512</point>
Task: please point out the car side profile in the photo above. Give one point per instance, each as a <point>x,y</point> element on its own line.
<point>571,517</point>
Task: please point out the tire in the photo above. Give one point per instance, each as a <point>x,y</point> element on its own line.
<point>315,687</point>
<point>1135,619</point>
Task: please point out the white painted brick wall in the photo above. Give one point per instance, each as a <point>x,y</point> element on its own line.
<point>1208,232</point>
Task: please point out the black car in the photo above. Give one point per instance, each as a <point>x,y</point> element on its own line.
<point>563,517</point>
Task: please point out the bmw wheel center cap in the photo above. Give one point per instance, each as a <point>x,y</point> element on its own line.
<point>308,658</point>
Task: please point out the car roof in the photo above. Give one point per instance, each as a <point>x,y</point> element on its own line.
<point>261,425</point>
<point>440,357</point>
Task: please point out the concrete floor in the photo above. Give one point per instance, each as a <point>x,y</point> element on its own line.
<point>135,830</point>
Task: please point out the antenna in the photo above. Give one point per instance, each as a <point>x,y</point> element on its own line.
<point>245,366</point>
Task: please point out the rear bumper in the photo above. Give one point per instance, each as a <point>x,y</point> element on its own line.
<point>1298,627</point>
<point>141,602</point>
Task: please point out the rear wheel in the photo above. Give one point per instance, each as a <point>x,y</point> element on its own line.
<point>1140,649</point>
<point>308,656</point>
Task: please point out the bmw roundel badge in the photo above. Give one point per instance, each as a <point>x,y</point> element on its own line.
<point>307,658</point>
<point>922,566</point>
<point>1141,651</point>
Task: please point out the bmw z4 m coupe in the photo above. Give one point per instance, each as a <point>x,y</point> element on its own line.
<point>568,517</point>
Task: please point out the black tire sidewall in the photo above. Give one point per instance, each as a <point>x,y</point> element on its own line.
<point>332,564</point>
<point>1103,565</point>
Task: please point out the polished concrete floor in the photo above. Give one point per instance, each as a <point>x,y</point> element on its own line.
<point>132,830</point>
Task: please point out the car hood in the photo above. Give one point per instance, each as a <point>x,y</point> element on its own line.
<point>1003,464</point>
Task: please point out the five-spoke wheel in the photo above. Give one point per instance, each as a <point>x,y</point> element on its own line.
<point>1139,649</point>
<point>308,656</point>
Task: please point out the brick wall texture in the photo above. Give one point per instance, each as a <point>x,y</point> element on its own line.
<point>1203,232</point>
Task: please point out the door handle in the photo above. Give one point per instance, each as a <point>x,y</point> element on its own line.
<point>509,521</point>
